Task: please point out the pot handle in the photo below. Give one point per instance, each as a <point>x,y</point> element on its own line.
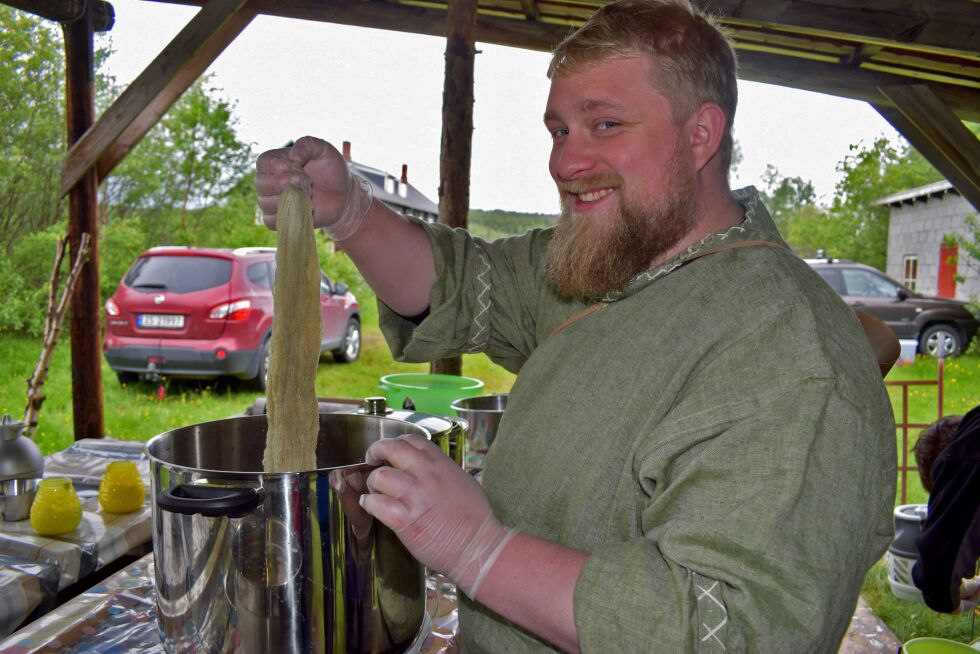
<point>209,501</point>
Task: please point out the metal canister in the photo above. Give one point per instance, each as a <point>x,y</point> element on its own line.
<point>21,468</point>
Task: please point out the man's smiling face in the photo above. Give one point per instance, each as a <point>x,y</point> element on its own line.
<point>626,180</point>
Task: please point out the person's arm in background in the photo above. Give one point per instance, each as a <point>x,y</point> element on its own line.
<point>950,541</point>
<point>392,253</point>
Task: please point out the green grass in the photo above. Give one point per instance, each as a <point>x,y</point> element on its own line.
<point>909,620</point>
<point>133,412</point>
<point>961,391</point>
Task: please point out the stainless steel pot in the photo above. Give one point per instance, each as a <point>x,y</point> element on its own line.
<point>483,413</point>
<point>254,562</point>
<point>447,432</point>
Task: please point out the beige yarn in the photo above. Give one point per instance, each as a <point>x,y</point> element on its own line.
<point>294,424</point>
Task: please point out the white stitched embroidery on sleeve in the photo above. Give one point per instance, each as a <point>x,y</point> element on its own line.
<point>481,316</point>
<point>712,615</point>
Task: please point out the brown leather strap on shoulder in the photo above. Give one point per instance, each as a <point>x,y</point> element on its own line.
<point>732,246</point>
<point>592,308</point>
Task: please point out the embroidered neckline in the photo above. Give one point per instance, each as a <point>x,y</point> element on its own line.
<point>748,197</point>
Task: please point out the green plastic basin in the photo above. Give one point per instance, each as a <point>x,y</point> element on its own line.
<point>936,646</point>
<point>428,393</point>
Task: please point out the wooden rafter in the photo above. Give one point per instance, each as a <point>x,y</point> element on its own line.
<point>68,11</point>
<point>141,105</point>
<point>937,134</point>
<point>846,82</point>
<point>826,46</point>
<point>530,10</point>
<point>927,24</point>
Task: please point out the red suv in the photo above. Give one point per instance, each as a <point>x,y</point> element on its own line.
<point>199,312</point>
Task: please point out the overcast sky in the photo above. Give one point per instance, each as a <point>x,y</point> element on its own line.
<point>383,92</point>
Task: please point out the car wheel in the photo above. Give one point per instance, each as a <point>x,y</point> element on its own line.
<point>261,380</point>
<point>351,349</point>
<point>127,377</point>
<point>940,341</point>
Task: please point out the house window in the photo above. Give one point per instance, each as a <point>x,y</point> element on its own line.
<point>910,268</point>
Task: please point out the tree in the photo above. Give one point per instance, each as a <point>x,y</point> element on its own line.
<point>859,228</point>
<point>32,141</point>
<point>183,168</point>
<point>189,160</point>
<point>785,197</point>
<point>793,205</point>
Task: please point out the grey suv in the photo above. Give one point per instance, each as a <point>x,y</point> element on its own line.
<point>942,327</point>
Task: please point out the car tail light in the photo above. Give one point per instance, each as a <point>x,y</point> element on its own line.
<point>237,310</point>
<point>111,307</point>
<point>220,354</point>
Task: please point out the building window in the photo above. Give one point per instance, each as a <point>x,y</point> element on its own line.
<point>910,268</point>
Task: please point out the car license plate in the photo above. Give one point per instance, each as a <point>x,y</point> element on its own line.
<point>160,321</point>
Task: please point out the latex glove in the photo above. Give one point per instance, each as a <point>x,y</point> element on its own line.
<point>969,594</point>
<point>340,198</point>
<point>437,510</point>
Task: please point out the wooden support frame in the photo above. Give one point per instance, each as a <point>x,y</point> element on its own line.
<point>457,130</point>
<point>142,104</point>
<point>86,306</point>
<point>929,125</point>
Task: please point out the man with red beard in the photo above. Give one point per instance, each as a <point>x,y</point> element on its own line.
<point>698,454</point>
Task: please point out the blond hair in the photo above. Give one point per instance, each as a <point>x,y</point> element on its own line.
<point>693,57</point>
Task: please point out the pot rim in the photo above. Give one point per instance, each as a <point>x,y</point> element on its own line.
<point>252,474</point>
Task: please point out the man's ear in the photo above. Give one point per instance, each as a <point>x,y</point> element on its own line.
<point>707,130</point>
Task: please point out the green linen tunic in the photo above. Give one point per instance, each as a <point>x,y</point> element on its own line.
<point>718,438</point>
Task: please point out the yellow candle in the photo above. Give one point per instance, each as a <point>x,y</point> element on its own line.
<point>121,490</point>
<point>56,509</point>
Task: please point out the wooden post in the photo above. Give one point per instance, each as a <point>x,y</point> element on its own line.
<point>86,350</point>
<point>457,130</point>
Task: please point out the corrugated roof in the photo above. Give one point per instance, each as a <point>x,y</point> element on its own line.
<point>939,188</point>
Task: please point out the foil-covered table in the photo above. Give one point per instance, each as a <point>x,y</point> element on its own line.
<point>34,568</point>
<point>118,616</point>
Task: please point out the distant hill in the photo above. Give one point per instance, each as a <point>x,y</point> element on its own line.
<point>496,223</point>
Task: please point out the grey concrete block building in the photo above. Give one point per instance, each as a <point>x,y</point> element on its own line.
<point>920,253</point>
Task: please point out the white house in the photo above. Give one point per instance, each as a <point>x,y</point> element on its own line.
<point>921,252</point>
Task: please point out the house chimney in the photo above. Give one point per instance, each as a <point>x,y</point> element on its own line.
<point>347,151</point>
<point>404,173</point>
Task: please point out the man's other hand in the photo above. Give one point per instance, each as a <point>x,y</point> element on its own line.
<point>969,594</point>
<point>437,510</point>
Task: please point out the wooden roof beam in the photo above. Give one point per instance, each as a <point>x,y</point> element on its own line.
<point>68,11</point>
<point>821,77</point>
<point>928,24</point>
<point>937,134</point>
<point>847,82</point>
<point>530,8</point>
<point>407,18</point>
<point>141,105</point>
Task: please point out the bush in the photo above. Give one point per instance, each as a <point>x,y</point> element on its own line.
<point>340,268</point>
<point>24,280</point>
<point>119,247</point>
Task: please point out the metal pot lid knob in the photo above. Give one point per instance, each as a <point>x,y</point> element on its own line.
<point>375,406</point>
<point>20,457</point>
